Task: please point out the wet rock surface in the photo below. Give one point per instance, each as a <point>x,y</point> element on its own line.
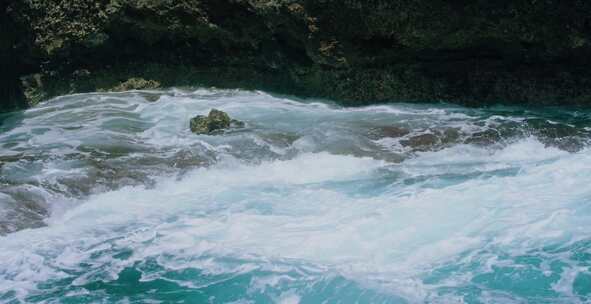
<point>494,132</point>
<point>421,142</point>
<point>137,84</point>
<point>388,131</point>
<point>63,152</point>
<point>214,122</point>
<point>357,52</point>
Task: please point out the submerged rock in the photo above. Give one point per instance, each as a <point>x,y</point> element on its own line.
<point>387,131</point>
<point>216,120</point>
<point>423,142</point>
<point>433,141</point>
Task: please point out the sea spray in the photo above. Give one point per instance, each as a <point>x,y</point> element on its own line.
<point>310,203</point>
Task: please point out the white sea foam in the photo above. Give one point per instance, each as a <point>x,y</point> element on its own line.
<point>308,218</point>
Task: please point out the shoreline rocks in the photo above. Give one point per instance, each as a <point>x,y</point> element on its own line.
<point>355,52</point>
<point>137,83</point>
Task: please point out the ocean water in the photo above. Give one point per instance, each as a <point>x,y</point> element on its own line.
<point>109,198</point>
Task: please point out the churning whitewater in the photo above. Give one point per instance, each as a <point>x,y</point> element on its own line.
<point>109,198</point>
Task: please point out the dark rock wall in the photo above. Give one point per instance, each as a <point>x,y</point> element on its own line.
<point>471,52</point>
<point>11,96</point>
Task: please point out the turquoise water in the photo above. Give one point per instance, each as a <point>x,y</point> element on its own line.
<point>108,198</point>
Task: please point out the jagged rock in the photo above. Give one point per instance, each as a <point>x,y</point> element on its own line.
<point>216,120</point>
<point>199,124</point>
<point>137,83</point>
<point>357,52</point>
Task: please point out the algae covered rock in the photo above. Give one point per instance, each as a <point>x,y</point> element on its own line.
<point>199,124</point>
<point>356,52</point>
<point>216,120</point>
<point>136,83</point>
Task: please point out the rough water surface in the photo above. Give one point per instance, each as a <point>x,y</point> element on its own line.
<point>109,198</point>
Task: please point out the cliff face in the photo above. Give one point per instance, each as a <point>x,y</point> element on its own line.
<point>11,96</point>
<point>474,52</point>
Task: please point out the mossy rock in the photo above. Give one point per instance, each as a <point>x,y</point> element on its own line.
<point>137,84</point>
<point>199,124</point>
<point>356,52</point>
<point>214,122</point>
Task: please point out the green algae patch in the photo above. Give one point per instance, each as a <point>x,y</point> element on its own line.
<point>137,83</point>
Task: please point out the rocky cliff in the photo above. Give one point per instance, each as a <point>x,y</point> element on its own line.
<point>471,52</point>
